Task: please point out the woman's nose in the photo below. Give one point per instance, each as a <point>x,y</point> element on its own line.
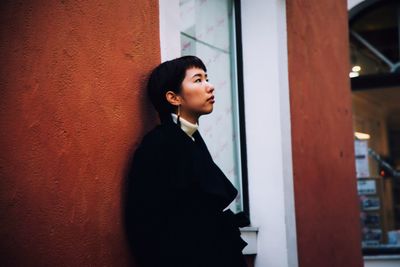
<point>211,87</point>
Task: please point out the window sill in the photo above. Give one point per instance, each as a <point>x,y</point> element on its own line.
<point>382,257</point>
<point>249,234</point>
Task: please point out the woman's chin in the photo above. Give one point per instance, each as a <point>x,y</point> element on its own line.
<point>210,110</point>
<point>207,109</point>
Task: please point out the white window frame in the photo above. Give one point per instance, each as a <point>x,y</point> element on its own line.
<point>267,116</point>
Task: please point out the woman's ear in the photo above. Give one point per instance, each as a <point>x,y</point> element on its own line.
<point>173,98</point>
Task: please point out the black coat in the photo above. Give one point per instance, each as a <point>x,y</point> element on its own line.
<point>175,201</point>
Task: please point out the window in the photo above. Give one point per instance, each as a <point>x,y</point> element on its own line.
<point>375,59</point>
<point>208,31</point>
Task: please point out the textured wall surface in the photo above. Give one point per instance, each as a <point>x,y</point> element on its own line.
<point>73,109</point>
<point>327,214</point>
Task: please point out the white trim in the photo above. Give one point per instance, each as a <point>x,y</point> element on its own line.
<point>249,234</point>
<point>268,131</point>
<point>382,257</point>
<point>382,262</point>
<point>353,3</point>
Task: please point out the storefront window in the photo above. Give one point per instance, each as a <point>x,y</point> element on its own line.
<point>375,53</point>
<point>208,31</point>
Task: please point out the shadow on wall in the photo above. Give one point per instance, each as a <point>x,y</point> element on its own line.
<point>150,120</point>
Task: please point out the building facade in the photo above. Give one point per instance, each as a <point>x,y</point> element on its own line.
<point>74,109</point>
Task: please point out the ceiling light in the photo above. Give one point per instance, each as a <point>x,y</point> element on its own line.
<point>362,136</point>
<point>354,74</point>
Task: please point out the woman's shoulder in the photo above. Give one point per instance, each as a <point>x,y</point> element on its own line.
<point>156,138</point>
<point>151,149</point>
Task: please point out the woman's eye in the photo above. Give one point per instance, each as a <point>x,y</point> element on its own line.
<point>199,80</point>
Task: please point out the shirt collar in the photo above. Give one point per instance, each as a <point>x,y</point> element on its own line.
<point>188,127</point>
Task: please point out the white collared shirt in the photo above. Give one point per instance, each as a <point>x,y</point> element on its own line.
<point>188,127</point>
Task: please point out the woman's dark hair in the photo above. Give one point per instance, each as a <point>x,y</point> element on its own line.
<point>168,76</point>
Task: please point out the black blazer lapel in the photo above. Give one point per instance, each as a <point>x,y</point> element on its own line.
<point>203,169</point>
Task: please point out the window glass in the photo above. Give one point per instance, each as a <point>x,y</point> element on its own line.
<point>377,156</point>
<point>207,31</point>
<point>375,61</point>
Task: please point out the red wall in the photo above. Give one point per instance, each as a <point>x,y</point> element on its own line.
<point>73,108</point>
<point>327,214</point>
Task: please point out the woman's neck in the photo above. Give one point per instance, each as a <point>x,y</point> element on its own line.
<point>186,125</point>
<point>189,118</point>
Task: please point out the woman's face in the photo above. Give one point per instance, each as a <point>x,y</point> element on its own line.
<point>197,93</point>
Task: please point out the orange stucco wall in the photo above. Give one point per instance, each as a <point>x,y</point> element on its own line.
<point>327,214</point>
<point>73,108</point>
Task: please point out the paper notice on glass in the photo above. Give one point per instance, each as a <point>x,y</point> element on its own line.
<point>371,237</point>
<point>369,203</point>
<point>361,154</point>
<point>366,187</point>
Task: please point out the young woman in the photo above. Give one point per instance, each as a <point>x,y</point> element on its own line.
<point>177,196</point>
